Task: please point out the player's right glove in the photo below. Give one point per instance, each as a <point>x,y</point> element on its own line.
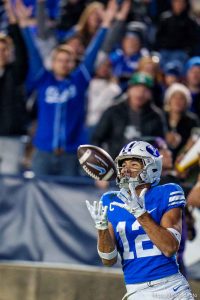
<point>132,203</point>
<point>98,213</point>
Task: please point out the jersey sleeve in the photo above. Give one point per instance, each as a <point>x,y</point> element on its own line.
<point>105,198</point>
<point>174,197</point>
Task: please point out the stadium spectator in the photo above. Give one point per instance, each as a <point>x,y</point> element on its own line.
<point>179,120</point>
<point>140,12</point>
<point>192,70</point>
<point>61,99</point>
<point>46,37</point>
<point>176,37</point>
<point>88,24</point>
<point>172,73</point>
<point>157,7</point>
<point>150,66</point>
<point>134,117</point>
<point>13,74</point>
<point>143,223</point>
<point>70,12</point>
<point>114,39</point>
<point>125,59</point>
<point>103,88</point>
<point>195,14</point>
<point>13,115</point>
<point>118,28</point>
<point>76,43</point>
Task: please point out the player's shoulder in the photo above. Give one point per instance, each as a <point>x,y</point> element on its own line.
<point>166,189</point>
<point>170,188</point>
<point>172,196</point>
<point>108,197</point>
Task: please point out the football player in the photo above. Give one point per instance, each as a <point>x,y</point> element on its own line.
<point>142,222</point>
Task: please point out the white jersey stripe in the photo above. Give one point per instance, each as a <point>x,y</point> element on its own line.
<point>177,202</point>
<point>177,192</point>
<point>175,198</point>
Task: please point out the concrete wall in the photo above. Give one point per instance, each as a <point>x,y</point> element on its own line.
<point>40,282</point>
<point>45,283</point>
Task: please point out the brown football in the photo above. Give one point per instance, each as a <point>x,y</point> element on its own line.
<point>96,162</point>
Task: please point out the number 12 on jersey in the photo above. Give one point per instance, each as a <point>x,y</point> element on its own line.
<point>139,250</point>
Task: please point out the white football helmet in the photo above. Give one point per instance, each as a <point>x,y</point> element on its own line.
<point>152,161</point>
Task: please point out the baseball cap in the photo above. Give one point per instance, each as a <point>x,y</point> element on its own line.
<point>192,62</point>
<point>133,34</point>
<point>173,68</point>
<point>141,78</point>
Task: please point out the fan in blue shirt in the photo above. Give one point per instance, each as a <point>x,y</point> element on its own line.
<point>61,100</point>
<point>142,222</point>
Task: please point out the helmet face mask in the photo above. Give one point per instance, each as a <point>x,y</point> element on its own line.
<point>126,174</point>
<point>151,159</point>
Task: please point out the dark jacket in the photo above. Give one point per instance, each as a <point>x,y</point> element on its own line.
<point>12,95</point>
<point>196,104</point>
<point>184,127</point>
<point>177,33</point>
<point>110,131</point>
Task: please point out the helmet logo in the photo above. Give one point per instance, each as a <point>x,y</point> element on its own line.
<point>128,147</point>
<point>153,151</point>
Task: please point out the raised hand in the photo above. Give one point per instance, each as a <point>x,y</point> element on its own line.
<point>124,10</point>
<point>23,13</point>
<point>109,13</point>
<point>10,12</point>
<point>99,214</point>
<point>132,203</point>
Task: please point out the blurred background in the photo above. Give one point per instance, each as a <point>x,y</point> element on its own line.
<point>69,75</point>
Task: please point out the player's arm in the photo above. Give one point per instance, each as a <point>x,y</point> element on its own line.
<point>165,236</point>
<point>106,242</point>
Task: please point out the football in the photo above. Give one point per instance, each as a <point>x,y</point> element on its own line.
<point>96,162</point>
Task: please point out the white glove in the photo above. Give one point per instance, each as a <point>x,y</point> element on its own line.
<point>132,203</point>
<point>98,213</point>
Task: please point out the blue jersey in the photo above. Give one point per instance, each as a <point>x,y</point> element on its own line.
<point>61,109</point>
<point>141,260</point>
<point>122,64</point>
<point>61,103</point>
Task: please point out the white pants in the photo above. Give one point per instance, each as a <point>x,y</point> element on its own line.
<point>174,287</point>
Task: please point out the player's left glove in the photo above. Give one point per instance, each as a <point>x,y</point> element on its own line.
<point>98,213</point>
<point>133,203</point>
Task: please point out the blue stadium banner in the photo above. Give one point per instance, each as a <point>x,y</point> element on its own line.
<point>42,220</point>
